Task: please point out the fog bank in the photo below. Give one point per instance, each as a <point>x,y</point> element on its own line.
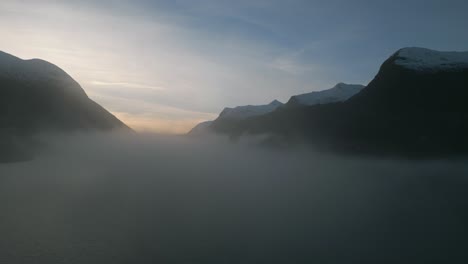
<point>174,199</point>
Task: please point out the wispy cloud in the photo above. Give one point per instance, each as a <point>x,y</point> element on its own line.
<point>153,117</point>
<point>128,85</point>
<point>291,65</point>
<point>199,60</point>
<point>204,55</point>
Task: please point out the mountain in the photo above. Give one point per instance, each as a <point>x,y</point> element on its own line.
<point>243,112</point>
<point>340,93</point>
<point>420,59</point>
<point>201,129</point>
<point>37,96</point>
<point>415,106</point>
<point>235,114</point>
<point>230,117</point>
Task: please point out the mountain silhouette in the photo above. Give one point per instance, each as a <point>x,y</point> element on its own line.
<point>340,93</point>
<point>229,116</point>
<point>415,106</point>
<point>37,97</point>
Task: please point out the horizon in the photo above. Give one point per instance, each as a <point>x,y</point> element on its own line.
<point>164,67</point>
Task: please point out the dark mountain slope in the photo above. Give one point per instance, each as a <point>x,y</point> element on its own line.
<point>403,111</point>
<point>37,96</point>
<point>340,93</point>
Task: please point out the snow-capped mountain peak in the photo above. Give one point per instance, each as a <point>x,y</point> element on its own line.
<point>243,112</point>
<point>341,92</point>
<point>35,70</point>
<point>422,59</point>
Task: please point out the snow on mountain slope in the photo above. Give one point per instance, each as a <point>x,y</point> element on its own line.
<point>422,59</point>
<point>242,112</point>
<point>341,92</point>
<point>38,96</point>
<point>236,113</point>
<point>35,70</point>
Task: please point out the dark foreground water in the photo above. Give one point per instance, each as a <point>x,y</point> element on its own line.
<point>176,200</point>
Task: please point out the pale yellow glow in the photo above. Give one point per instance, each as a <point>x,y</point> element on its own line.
<point>154,74</point>
<point>117,69</point>
<point>159,125</point>
<point>127,85</point>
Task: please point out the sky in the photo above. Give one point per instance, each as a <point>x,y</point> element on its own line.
<point>164,66</point>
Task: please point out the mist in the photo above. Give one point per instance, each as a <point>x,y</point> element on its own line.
<point>176,199</point>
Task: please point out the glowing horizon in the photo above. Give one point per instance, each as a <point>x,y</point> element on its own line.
<point>163,66</point>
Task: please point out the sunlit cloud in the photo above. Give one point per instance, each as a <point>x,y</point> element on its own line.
<point>291,66</point>
<point>151,117</point>
<point>155,123</point>
<point>159,60</point>
<point>203,56</point>
<point>127,85</point>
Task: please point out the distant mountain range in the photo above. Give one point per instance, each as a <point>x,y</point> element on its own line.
<point>415,106</point>
<point>243,112</point>
<point>37,96</point>
<point>236,114</point>
<point>341,92</point>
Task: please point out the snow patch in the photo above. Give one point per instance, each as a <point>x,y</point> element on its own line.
<point>36,71</point>
<point>243,112</point>
<point>340,93</point>
<point>421,59</point>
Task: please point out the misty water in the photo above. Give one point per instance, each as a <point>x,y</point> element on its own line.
<point>170,199</point>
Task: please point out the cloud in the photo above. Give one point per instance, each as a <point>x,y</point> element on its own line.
<point>165,58</point>
<point>211,54</point>
<point>127,85</point>
<point>150,117</point>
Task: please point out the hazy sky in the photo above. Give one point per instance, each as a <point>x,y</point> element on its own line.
<point>166,65</point>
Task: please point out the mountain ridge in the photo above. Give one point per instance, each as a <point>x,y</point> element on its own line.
<point>339,93</point>
<point>37,97</point>
<point>402,111</point>
<point>246,111</point>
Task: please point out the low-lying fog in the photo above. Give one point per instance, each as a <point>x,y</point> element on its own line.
<point>172,199</point>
